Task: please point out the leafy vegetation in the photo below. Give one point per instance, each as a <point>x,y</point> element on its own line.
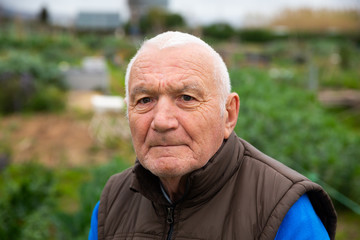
<point>32,197</point>
<point>219,31</point>
<point>289,124</point>
<point>76,225</point>
<point>257,35</point>
<point>157,20</point>
<point>29,83</point>
<point>27,202</point>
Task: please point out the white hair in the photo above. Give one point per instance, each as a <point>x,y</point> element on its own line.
<point>176,39</point>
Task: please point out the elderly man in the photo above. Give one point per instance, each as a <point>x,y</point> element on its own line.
<point>193,177</point>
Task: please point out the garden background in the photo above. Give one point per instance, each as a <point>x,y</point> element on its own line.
<point>300,103</point>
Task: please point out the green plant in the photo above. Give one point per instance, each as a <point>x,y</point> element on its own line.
<point>289,124</point>
<point>256,35</point>
<point>49,98</point>
<point>27,197</point>
<point>219,31</point>
<point>174,20</point>
<point>118,47</point>
<point>76,225</point>
<point>29,83</point>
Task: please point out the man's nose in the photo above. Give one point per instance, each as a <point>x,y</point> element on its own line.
<point>164,115</point>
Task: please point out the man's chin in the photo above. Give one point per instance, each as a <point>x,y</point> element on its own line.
<point>166,167</point>
<point>168,172</point>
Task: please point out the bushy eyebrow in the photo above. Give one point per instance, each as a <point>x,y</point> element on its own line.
<point>191,88</point>
<point>140,90</point>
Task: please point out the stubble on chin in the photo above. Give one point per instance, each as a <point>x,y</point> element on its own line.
<point>169,165</point>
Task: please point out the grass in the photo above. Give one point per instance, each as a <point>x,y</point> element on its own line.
<point>117,85</point>
<point>68,183</point>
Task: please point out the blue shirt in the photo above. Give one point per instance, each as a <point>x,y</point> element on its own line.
<point>300,223</point>
<point>93,234</point>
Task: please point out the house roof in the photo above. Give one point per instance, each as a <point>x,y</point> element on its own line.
<point>87,20</point>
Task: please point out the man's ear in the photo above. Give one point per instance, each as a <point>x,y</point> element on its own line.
<point>231,113</point>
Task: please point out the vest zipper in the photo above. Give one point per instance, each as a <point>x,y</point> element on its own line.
<point>170,220</point>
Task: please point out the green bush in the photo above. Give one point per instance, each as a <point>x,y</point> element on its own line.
<point>113,46</point>
<point>47,99</point>
<point>23,40</point>
<point>174,20</point>
<point>31,198</point>
<point>289,124</point>
<point>256,35</point>
<point>91,41</point>
<point>29,83</point>
<point>157,20</point>
<point>340,79</point>
<point>220,31</point>
<point>77,225</point>
<point>27,202</point>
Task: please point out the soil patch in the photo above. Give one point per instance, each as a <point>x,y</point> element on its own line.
<point>76,137</point>
<point>54,140</point>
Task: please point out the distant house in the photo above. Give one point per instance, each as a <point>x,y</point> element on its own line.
<point>97,21</point>
<point>92,75</point>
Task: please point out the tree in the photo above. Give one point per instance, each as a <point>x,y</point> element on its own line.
<point>43,16</point>
<point>221,31</point>
<point>158,20</point>
<point>174,20</point>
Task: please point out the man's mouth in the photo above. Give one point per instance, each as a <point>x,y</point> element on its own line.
<point>167,145</point>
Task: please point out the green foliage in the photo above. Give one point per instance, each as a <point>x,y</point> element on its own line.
<point>333,68</point>
<point>256,35</point>
<point>288,124</point>
<point>154,19</point>
<point>34,41</point>
<point>220,31</point>
<point>173,20</point>
<point>158,20</point>
<point>91,41</point>
<point>30,83</point>
<point>345,55</point>
<point>117,79</point>
<point>340,79</point>
<point>53,48</point>
<point>27,202</point>
<point>113,47</point>
<point>30,198</point>
<point>77,225</point>
<point>338,62</point>
<point>47,99</point>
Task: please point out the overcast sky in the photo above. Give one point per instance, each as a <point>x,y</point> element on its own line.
<point>195,11</point>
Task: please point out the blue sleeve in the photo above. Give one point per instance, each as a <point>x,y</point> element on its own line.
<point>301,222</point>
<point>93,233</point>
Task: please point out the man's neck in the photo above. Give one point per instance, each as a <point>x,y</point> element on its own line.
<point>174,187</point>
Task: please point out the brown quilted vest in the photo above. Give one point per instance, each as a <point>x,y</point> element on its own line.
<point>239,194</point>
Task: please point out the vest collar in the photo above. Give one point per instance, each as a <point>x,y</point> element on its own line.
<point>202,184</point>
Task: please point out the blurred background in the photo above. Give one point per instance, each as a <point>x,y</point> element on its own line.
<point>63,127</point>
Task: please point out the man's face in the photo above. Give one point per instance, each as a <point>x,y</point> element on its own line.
<point>174,110</point>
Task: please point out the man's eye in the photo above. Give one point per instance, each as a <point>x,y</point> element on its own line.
<point>144,100</point>
<point>187,98</point>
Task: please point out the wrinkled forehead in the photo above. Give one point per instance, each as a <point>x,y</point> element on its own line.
<point>178,58</point>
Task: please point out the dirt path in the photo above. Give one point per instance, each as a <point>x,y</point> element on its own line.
<point>54,140</point>
<point>340,98</point>
<point>65,139</point>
